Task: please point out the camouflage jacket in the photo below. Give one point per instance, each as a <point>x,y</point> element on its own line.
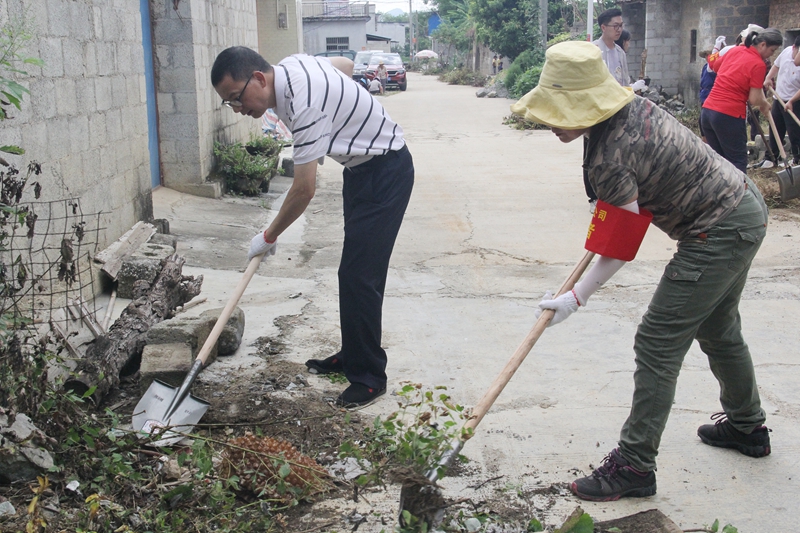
<point>643,152</point>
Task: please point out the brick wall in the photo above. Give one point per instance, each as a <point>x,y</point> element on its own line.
<point>191,118</point>
<point>85,119</point>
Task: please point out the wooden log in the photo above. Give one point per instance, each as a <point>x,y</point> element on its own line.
<point>126,338</point>
<point>112,256</point>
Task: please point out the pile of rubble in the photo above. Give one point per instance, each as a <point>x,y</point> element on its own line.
<point>493,90</point>
<point>673,104</point>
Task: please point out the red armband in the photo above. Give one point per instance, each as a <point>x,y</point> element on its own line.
<point>615,232</point>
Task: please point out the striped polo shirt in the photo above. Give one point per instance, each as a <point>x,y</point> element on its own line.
<point>330,114</point>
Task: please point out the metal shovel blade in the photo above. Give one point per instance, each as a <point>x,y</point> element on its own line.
<point>789,183</point>
<point>151,418</point>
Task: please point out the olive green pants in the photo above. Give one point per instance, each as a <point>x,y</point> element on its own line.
<point>697,298</point>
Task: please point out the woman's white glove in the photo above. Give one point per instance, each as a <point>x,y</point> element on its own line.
<point>719,44</point>
<point>260,246</point>
<point>639,85</point>
<point>564,306</point>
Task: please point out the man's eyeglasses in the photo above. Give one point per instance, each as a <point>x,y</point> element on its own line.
<point>237,102</point>
<point>618,26</point>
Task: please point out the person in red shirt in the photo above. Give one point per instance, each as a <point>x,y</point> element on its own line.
<point>740,79</point>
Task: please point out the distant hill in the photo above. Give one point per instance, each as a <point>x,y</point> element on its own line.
<point>396,12</point>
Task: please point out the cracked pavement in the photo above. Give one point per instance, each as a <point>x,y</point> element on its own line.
<point>498,217</point>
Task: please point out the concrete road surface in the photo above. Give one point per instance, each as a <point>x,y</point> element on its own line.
<point>497,218</point>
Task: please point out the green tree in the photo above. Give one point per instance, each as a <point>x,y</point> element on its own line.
<point>383,17</point>
<point>457,31</point>
<point>508,27</point>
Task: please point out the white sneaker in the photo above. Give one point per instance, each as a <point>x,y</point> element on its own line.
<point>766,164</point>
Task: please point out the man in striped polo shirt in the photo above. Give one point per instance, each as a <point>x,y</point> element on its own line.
<point>330,114</point>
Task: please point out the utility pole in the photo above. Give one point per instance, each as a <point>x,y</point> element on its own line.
<point>589,20</point>
<point>410,31</point>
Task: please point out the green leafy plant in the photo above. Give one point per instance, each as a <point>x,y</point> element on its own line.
<point>415,436</point>
<point>463,76</point>
<point>714,528</point>
<point>247,169</point>
<point>521,64</point>
<point>527,81</point>
<point>13,38</point>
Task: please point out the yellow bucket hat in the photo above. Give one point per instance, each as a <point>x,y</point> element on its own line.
<point>575,90</point>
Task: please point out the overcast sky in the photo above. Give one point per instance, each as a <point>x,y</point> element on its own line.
<point>383,6</point>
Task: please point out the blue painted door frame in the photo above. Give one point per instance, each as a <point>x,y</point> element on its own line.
<point>152,110</point>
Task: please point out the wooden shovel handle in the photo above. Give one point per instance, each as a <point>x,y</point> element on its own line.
<point>778,98</point>
<point>228,311</point>
<point>776,136</point>
<point>480,410</point>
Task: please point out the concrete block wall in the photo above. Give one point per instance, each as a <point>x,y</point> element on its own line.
<point>732,16</point>
<point>317,31</point>
<point>188,36</point>
<point>785,15</point>
<point>663,43</point>
<point>711,18</point>
<point>274,42</point>
<point>633,15</point>
<point>85,118</point>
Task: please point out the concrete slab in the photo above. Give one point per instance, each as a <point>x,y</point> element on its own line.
<point>498,217</point>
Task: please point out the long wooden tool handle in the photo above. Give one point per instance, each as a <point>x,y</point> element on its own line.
<point>778,98</point>
<point>480,410</point>
<point>775,136</point>
<point>228,311</point>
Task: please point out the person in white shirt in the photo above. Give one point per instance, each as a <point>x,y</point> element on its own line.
<point>331,114</point>
<point>614,57</point>
<point>375,86</point>
<point>788,89</point>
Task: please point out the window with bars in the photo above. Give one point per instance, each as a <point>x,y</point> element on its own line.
<point>693,46</point>
<point>337,43</point>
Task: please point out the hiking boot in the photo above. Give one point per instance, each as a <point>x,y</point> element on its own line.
<point>724,435</point>
<point>615,479</point>
<point>326,366</point>
<point>358,395</point>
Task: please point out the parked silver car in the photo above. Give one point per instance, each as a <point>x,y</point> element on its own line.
<point>361,62</point>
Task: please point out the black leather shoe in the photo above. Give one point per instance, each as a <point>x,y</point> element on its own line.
<point>325,366</point>
<point>358,395</point>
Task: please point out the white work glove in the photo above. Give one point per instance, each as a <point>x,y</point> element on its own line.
<point>564,305</point>
<point>259,246</point>
<point>639,85</point>
<point>719,44</point>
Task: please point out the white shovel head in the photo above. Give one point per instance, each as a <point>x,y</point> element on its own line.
<point>148,417</point>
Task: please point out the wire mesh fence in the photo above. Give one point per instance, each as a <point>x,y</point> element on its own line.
<point>47,258</point>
